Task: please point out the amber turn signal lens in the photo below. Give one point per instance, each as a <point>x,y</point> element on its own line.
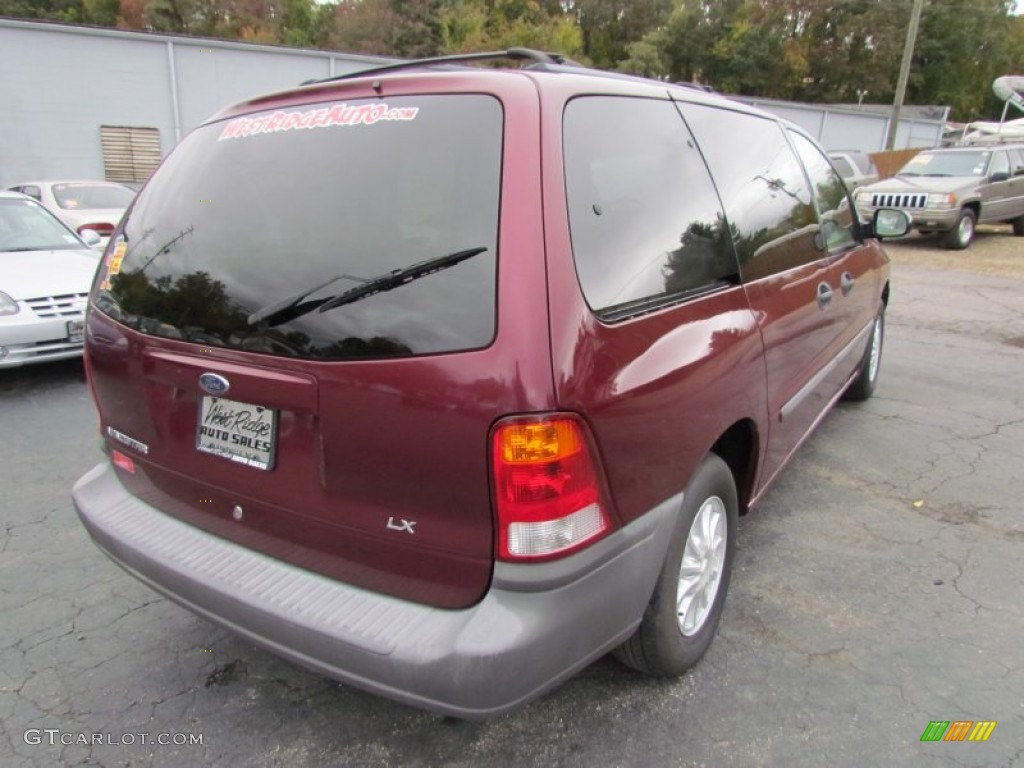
<point>542,441</point>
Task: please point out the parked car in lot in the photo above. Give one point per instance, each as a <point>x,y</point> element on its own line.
<point>948,191</point>
<point>467,383</point>
<point>857,168</point>
<point>84,206</point>
<point>45,274</point>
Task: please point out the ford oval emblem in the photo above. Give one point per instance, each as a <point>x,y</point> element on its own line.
<point>214,384</point>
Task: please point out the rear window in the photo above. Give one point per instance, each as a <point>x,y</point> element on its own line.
<point>74,196</point>
<point>328,231</point>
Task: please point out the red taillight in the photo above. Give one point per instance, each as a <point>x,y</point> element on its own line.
<point>100,228</point>
<point>547,488</point>
<point>123,461</point>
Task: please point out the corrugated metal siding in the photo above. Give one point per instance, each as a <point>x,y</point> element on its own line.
<point>129,153</point>
<point>170,83</point>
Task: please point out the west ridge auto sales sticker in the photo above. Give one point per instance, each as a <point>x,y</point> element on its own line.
<point>237,431</point>
<point>281,120</point>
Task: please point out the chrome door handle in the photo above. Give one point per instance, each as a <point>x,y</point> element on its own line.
<point>824,295</point>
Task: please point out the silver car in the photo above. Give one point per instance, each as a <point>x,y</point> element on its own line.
<point>46,271</point>
<point>857,168</point>
<point>82,205</point>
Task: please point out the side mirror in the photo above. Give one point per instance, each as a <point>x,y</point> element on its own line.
<point>888,222</point>
<point>1000,176</point>
<point>91,238</point>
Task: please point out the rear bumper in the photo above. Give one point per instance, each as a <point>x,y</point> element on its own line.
<point>537,624</point>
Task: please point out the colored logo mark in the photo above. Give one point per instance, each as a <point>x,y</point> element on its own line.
<point>958,730</point>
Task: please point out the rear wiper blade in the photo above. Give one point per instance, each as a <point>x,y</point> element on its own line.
<point>399,277</point>
<point>296,306</point>
<point>283,306</point>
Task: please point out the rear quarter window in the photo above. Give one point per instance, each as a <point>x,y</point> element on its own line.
<point>1000,163</point>
<point>647,228</point>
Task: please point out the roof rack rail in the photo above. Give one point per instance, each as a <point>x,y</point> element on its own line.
<point>520,54</point>
<point>695,86</point>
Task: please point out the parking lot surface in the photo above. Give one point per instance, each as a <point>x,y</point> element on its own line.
<point>877,588</point>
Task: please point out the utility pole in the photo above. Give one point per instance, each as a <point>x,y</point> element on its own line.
<point>901,84</point>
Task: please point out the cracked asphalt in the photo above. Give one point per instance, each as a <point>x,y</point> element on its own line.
<point>878,587</point>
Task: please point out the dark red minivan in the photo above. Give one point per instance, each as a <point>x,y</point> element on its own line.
<point>445,381</point>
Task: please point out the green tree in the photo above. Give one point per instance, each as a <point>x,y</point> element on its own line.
<point>362,26</point>
<point>54,10</point>
<point>608,27</point>
<point>194,17</point>
<point>479,25</point>
<point>301,24</point>
<point>961,49</point>
<point>645,58</point>
<point>837,50</point>
<point>417,30</point>
<point>103,13</point>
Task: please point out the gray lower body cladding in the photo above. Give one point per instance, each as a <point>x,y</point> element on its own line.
<point>536,625</point>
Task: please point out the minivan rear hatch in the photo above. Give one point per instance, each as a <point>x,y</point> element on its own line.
<point>296,336</point>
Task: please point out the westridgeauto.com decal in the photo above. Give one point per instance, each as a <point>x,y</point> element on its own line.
<point>323,117</point>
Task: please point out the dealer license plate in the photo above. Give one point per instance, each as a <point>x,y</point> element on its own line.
<point>237,431</point>
<point>76,330</point>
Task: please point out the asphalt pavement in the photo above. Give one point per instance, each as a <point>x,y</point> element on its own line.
<point>879,587</point>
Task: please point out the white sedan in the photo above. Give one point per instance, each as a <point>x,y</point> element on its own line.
<point>46,272</point>
<point>82,205</point>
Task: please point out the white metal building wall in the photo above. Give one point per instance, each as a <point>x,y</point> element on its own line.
<point>60,83</point>
<point>840,127</point>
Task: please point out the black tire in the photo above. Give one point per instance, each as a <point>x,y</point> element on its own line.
<point>962,233</point>
<point>1018,226</point>
<point>659,646</point>
<point>863,387</point>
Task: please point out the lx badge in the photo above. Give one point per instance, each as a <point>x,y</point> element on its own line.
<point>401,525</point>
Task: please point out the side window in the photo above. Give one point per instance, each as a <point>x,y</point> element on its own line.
<point>1000,163</point>
<point>830,196</point>
<point>1017,161</point>
<point>843,166</point>
<point>646,224</point>
<point>762,185</point>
